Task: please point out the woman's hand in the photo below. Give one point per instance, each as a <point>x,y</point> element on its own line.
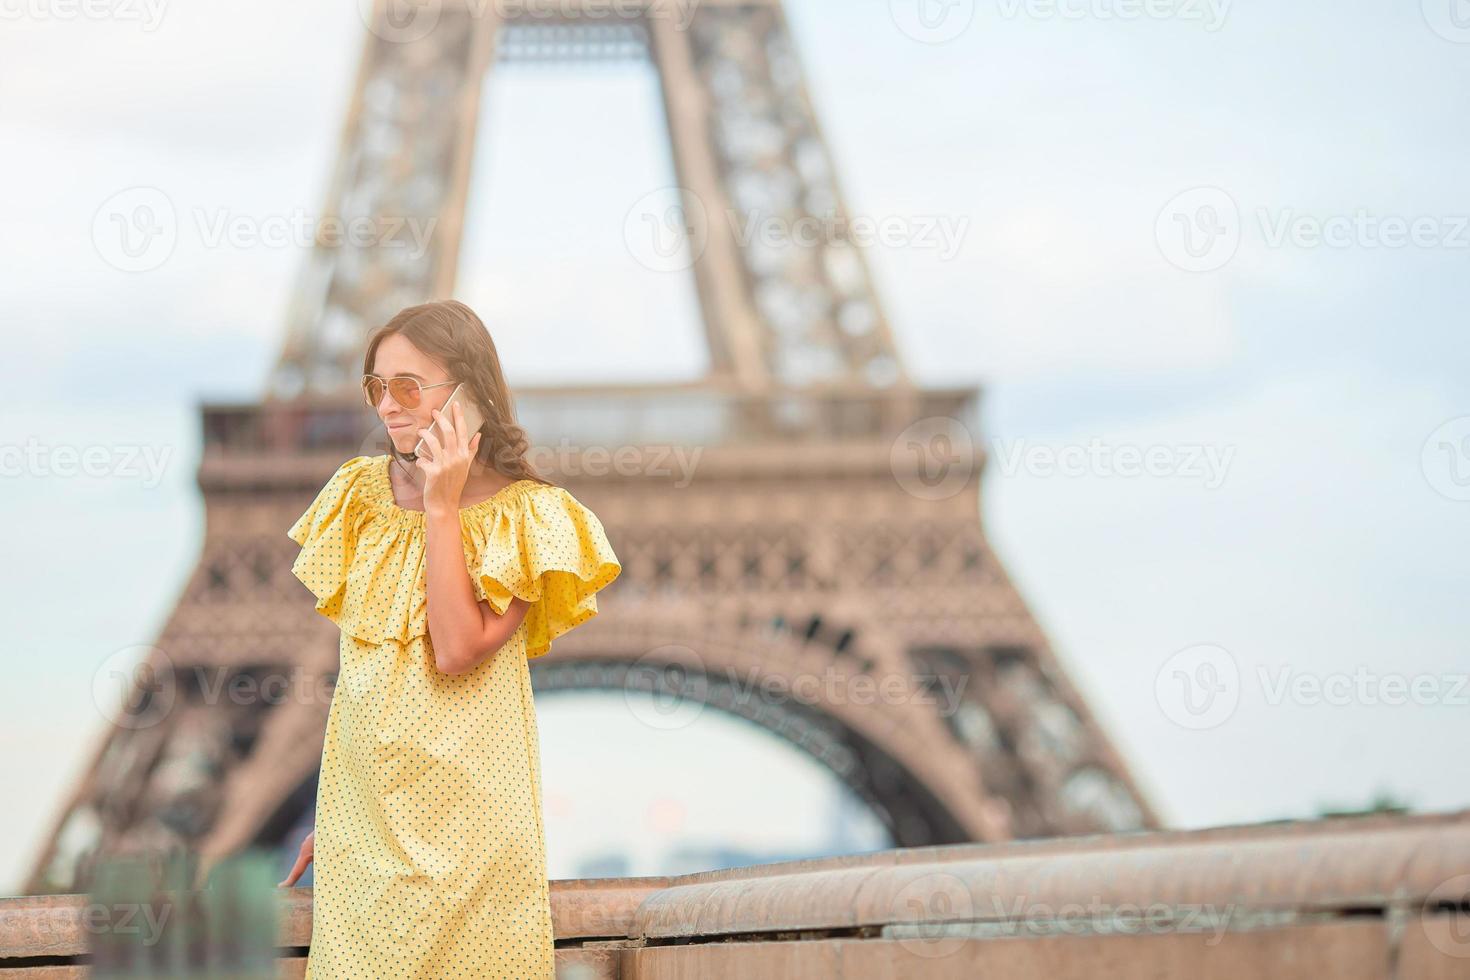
<point>303,858</point>
<point>448,467</point>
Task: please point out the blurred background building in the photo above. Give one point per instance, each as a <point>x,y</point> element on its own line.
<point>1110,218</point>
<point>827,538</point>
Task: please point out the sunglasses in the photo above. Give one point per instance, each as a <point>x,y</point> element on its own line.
<point>406,391</point>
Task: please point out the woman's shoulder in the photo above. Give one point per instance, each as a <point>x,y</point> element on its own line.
<point>360,476</point>
<point>357,466</point>
<point>543,545</point>
<point>552,517</point>
<point>358,469</point>
<point>547,497</point>
<point>341,495</point>
<point>527,510</point>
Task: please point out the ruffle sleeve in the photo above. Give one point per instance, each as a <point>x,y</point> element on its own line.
<point>545,547</point>
<point>327,533</point>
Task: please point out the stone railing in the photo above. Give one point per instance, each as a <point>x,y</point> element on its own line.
<point>1382,897</point>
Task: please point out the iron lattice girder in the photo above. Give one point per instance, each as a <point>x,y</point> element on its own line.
<point>784,288</point>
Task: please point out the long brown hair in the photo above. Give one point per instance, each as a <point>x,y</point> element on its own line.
<point>449,332</point>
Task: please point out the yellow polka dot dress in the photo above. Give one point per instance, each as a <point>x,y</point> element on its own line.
<point>430,855</point>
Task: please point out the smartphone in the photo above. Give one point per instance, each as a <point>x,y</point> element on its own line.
<point>472,417</point>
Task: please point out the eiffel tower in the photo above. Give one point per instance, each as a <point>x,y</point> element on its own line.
<point>830,536</point>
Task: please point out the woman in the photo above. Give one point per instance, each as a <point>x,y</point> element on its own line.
<point>445,573</point>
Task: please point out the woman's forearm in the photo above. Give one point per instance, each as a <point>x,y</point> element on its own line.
<point>457,626</point>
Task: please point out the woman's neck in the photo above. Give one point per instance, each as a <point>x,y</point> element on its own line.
<point>479,472</point>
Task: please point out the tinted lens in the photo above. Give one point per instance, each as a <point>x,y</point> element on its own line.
<point>405,391</point>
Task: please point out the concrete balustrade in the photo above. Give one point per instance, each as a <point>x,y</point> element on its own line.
<point>1383,897</point>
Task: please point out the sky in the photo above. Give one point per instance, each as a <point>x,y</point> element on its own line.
<point>1230,240</point>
